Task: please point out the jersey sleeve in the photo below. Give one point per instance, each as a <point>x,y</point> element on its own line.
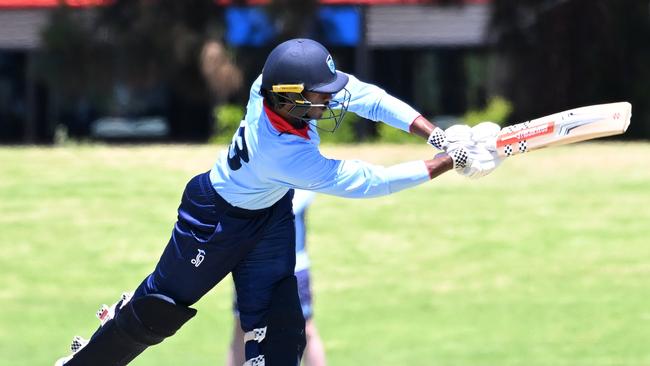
<point>371,102</point>
<point>311,171</point>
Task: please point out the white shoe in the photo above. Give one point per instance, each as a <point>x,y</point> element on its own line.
<point>76,344</point>
<point>105,313</point>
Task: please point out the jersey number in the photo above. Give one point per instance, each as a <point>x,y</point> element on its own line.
<point>238,151</point>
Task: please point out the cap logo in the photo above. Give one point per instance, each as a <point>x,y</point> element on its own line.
<point>330,64</point>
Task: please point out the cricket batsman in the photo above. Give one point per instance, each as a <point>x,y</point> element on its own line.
<point>237,217</point>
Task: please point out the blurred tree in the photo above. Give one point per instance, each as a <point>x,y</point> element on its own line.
<point>559,54</point>
<point>157,47</point>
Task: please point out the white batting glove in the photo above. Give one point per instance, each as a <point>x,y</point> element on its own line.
<point>438,139</point>
<point>458,135</point>
<point>444,140</point>
<point>460,157</point>
<point>459,140</point>
<point>486,133</point>
<point>480,162</point>
<point>472,150</point>
<point>476,157</point>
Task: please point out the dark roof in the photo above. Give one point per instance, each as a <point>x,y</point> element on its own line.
<point>421,25</point>
<point>51,3</point>
<point>21,28</point>
<point>387,25</point>
<point>86,3</point>
<point>357,2</point>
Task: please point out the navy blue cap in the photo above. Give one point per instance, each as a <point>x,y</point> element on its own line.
<point>303,61</point>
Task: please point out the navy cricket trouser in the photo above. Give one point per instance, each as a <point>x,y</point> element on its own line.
<point>212,238</point>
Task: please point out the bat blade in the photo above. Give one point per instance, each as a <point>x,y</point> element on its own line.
<point>579,124</point>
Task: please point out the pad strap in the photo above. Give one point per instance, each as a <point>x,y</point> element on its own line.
<point>257,361</point>
<point>257,335</point>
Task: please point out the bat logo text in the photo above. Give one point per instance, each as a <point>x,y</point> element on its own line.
<point>526,134</point>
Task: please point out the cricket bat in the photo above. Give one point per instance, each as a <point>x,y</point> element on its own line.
<point>566,127</point>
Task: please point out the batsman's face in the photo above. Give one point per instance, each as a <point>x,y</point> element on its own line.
<point>319,99</point>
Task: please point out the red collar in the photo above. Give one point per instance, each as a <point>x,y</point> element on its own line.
<point>283,126</point>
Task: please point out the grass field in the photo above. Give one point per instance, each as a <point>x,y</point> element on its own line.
<point>543,263</point>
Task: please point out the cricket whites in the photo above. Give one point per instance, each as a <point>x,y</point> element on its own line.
<point>566,127</point>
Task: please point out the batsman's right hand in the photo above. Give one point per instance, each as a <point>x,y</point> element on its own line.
<point>473,159</point>
<point>481,162</point>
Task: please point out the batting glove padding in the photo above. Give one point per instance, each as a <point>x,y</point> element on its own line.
<point>473,150</point>
<point>486,133</point>
<point>459,155</point>
<point>480,162</point>
<point>450,138</point>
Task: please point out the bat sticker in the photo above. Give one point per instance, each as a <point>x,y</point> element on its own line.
<point>566,128</point>
<point>526,134</point>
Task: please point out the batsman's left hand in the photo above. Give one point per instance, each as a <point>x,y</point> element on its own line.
<point>450,138</point>
<point>486,133</point>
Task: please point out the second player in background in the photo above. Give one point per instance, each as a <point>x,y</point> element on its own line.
<point>315,351</point>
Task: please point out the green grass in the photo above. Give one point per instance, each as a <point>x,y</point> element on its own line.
<point>544,262</point>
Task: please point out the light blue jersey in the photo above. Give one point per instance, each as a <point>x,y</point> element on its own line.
<point>262,164</point>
